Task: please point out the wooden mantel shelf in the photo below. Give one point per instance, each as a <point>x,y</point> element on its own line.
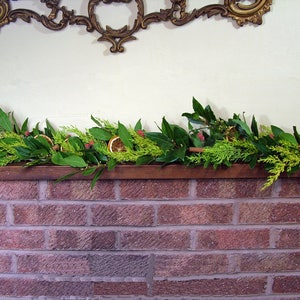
<point>21,173</point>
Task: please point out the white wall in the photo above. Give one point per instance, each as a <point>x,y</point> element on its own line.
<point>66,76</point>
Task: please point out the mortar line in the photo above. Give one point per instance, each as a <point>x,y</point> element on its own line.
<point>150,275</point>
<point>43,184</point>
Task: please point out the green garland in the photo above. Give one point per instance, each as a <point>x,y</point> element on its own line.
<point>209,141</point>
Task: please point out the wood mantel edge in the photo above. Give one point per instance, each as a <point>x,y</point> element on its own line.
<point>236,171</point>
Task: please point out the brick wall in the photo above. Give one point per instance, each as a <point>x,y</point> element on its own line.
<point>150,239</point>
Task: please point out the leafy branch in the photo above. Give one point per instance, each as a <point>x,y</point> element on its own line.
<point>207,141</point>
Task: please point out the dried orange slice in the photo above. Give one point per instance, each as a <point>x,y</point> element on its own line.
<point>116,145</point>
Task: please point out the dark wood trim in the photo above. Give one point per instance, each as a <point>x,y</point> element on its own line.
<point>21,173</point>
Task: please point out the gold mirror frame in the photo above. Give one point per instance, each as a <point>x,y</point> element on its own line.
<point>60,17</point>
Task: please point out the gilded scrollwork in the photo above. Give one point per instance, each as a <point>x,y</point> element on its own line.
<point>4,9</point>
<point>247,13</point>
<point>60,17</point>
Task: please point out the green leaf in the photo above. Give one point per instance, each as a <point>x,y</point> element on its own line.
<point>39,142</point>
<point>144,160</point>
<point>32,143</point>
<point>138,125</point>
<point>23,152</point>
<point>198,108</point>
<point>75,161</point>
<point>42,143</point>
<point>89,171</point>
<point>36,162</point>
<point>101,157</point>
<point>111,164</point>
<point>67,176</point>
<point>50,129</point>
<point>24,126</point>
<point>100,134</point>
<point>42,153</point>
<point>243,125</point>
<point>167,129</point>
<point>181,137</point>
<point>254,127</point>
<point>91,157</point>
<point>194,118</point>
<point>196,141</point>
<point>160,139</point>
<point>209,114</point>
<point>96,177</point>
<point>253,162</point>
<point>5,123</point>
<point>276,130</point>
<point>10,140</point>
<point>296,134</point>
<point>76,143</point>
<point>190,126</point>
<point>96,121</point>
<point>288,137</point>
<point>69,160</point>
<point>124,135</point>
<point>15,124</point>
<point>173,155</point>
<point>36,129</point>
<point>58,159</point>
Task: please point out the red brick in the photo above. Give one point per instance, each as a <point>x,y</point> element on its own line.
<point>289,187</point>
<point>50,214</point>
<point>286,213</point>
<point>5,263</point>
<point>2,214</point>
<point>190,265</point>
<point>233,239</point>
<point>155,240</point>
<point>257,213</point>
<point>119,265</point>
<point>82,240</point>
<point>211,287</point>
<point>231,188</point>
<point>7,287</point>
<point>121,288</point>
<point>22,239</point>
<point>154,189</point>
<point>19,190</point>
<point>286,284</point>
<point>126,215</point>
<point>81,190</point>
<point>289,238</point>
<point>32,287</point>
<point>270,262</point>
<point>53,264</point>
<point>174,214</point>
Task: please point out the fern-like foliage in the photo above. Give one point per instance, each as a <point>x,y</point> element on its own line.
<point>223,152</point>
<point>142,147</point>
<point>84,136</point>
<point>8,143</point>
<point>284,158</point>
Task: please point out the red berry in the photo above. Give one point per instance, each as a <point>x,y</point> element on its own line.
<point>87,146</point>
<point>140,132</point>
<point>27,133</point>
<point>201,136</point>
<point>55,147</point>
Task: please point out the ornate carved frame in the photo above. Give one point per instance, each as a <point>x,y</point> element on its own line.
<point>60,17</point>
